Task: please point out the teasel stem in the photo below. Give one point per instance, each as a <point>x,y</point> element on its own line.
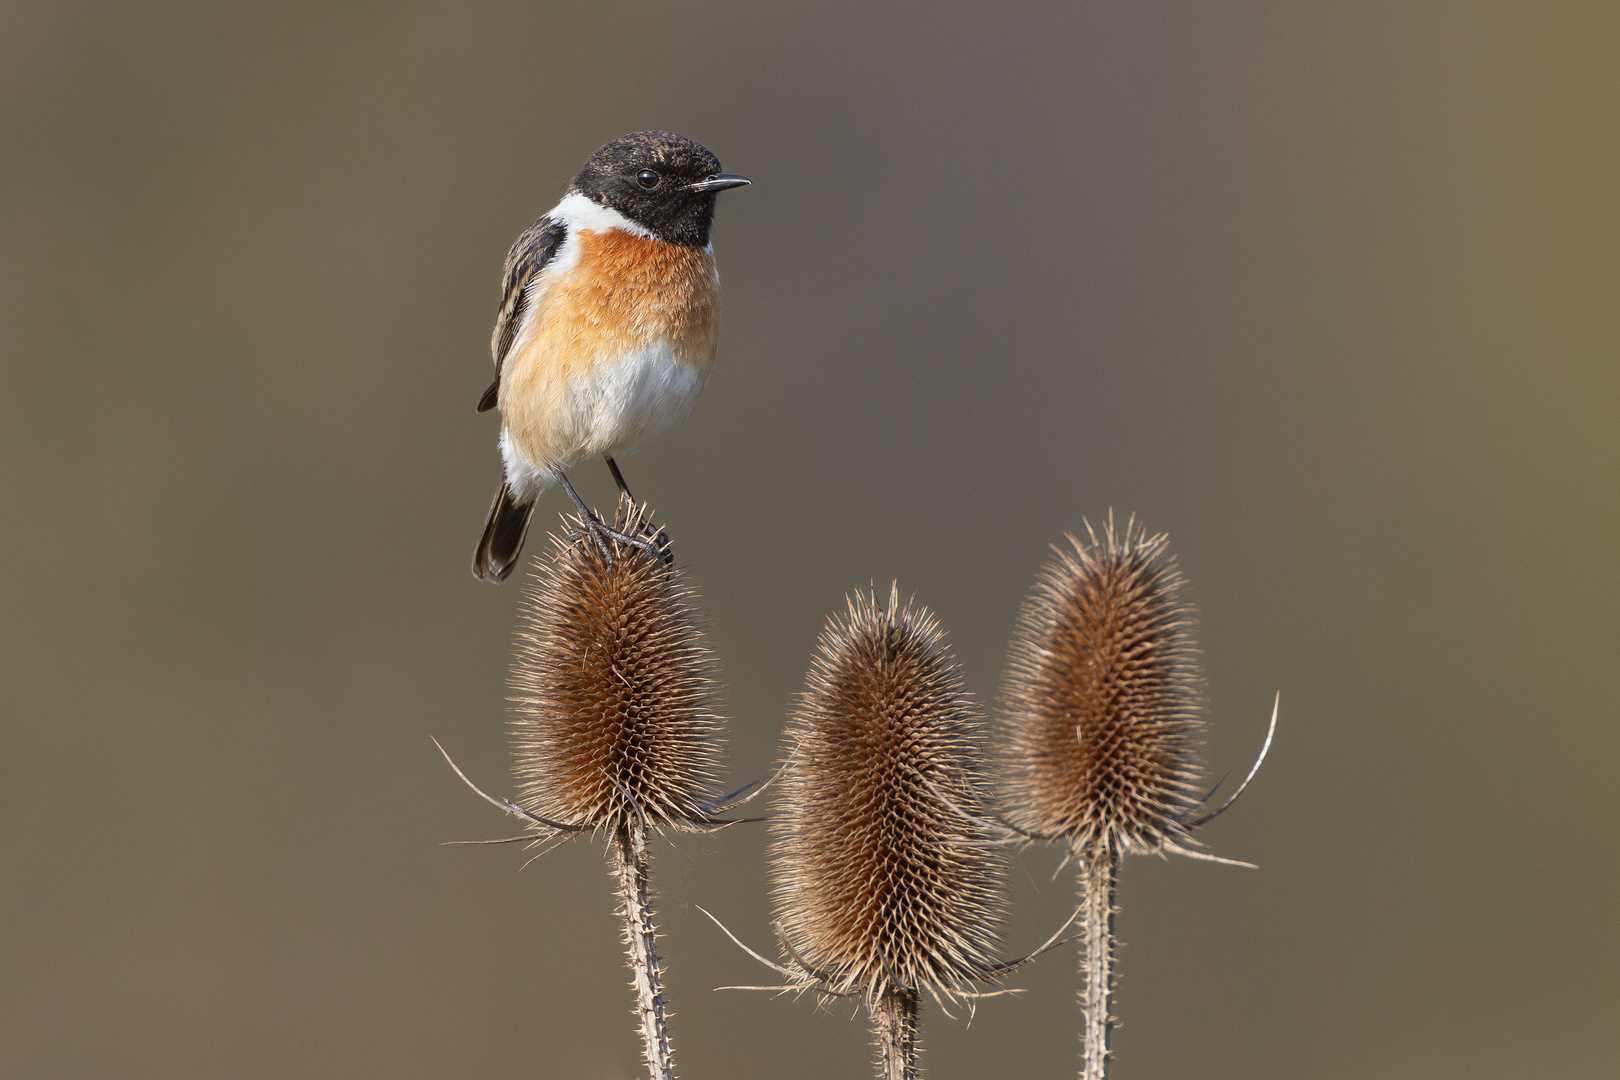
<point>641,944</point>
<point>894,1031</point>
<point>1099,877</point>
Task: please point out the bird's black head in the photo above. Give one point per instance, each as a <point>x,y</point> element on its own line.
<point>660,181</point>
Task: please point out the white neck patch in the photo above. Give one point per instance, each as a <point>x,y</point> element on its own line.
<point>578,212</point>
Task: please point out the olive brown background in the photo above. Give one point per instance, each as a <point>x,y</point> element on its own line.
<point>1326,291</point>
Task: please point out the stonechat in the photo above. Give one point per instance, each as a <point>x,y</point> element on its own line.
<point>607,328</point>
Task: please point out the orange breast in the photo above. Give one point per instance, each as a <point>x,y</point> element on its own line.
<point>623,294</point>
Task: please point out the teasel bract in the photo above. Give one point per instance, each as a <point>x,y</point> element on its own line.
<point>613,723</point>
<point>1102,729</point>
<point>886,879</point>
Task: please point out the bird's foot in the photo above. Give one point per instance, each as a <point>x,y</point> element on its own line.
<point>654,544</point>
<point>630,529</point>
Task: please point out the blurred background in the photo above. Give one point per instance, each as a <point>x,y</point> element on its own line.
<point>1325,291</point>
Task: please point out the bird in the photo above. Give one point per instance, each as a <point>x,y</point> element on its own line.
<point>607,328</point>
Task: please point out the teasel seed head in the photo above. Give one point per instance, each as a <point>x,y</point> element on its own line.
<point>613,713</point>
<point>1102,698</point>
<point>883,876</point>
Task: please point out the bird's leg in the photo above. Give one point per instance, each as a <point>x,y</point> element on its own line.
<point>600,532</point>
<point>592,522</point>
<point>662,539</point>
<point>618,477</point>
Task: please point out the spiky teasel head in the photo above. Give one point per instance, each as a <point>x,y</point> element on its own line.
<point>882,876</point>
<point>613,714</point>
<point>1102,697</point>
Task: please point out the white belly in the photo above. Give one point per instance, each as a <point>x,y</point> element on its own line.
<point>613,411</point>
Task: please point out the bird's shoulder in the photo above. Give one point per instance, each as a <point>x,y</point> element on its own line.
<point>534,248</point>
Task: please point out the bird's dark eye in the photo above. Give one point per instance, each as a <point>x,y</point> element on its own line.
<point>647,179</point>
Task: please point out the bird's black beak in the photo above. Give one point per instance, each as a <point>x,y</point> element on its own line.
<point>719,183</point>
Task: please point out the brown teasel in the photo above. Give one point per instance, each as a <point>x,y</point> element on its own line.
<point>884,873</point>
<point>1101,732</point>
<point>1102,698</point>
<point>886,865</point>
<point>613,725</point>
<point>613,712</point>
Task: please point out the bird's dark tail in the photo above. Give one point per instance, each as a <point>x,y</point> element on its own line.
<point>503,536</point>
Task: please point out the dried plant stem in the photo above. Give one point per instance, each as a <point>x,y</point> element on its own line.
<point>640,939</point>
<point>894,1030</point>
<point>1099,872</point>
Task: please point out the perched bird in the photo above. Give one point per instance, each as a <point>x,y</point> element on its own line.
<point>607,328</point>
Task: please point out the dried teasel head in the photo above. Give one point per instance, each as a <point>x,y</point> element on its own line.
<point>882,874</point>
<point>1102,698</point>
<point>613,708</point>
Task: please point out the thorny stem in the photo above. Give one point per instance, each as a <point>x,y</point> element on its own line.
<point>630,864</point>
<point>894,1030</point>
<point>1099,871</point>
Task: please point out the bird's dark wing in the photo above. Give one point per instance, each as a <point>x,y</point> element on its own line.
<point>535,248</point>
